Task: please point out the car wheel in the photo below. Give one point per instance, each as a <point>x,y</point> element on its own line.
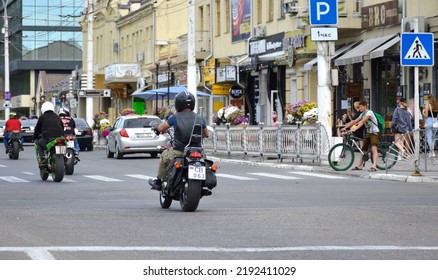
<point>90,147</point>
<point>117,153</point>
<point>109,154</point>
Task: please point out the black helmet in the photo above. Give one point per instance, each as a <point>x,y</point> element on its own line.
<point>183,100</point>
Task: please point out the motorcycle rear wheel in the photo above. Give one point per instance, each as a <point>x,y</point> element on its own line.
<point>15,150</point>
<point>165,200</point>
<point>58,168</point>
<point>190,196</point>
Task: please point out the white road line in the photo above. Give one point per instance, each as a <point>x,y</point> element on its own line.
<point>28,173</point>
<point>313,174</point>
<point>43,253</point>
<point>68,180</point>
<point>283,177</point>
<point>140,176</point>
<point>103,178</point>
<point>13,179</point>
<point>243,178</point>
<point>1,165</point>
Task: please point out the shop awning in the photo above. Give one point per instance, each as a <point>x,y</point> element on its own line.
<point>309,65</point>
<point>356,54</point>
<point>380,51</point>
<point>270,56</point>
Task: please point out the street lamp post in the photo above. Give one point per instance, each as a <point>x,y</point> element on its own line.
<point>6,48</point>
<point>157,64</point>
<point>168,80</point>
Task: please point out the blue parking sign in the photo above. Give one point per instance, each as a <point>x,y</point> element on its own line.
<point>416,49</point>
<point>323,12</point>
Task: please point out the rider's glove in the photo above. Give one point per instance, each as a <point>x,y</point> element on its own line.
<point>155,129</point>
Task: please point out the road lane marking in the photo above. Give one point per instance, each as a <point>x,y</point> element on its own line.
<point>1,165</point>
<point>312,174</point>
<point>29,173</point>
<point>43,253</point>
<point>140,176</point>
<point>243,178</point>
<point>103,178</point>
<point>276,176</point>
<point>13,179</point>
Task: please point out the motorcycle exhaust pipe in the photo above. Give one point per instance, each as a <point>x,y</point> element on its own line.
<point>68,155</point>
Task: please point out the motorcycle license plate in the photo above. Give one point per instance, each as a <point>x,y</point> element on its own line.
<point>196,172</point>
<point>70,144</point>
<point>60,149</point>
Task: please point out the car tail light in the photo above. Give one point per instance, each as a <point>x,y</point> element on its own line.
<point>195,155</point>
<point>123,133</point>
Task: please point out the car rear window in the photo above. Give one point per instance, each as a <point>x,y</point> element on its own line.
<point>80,122</point>
<point>138,123</point>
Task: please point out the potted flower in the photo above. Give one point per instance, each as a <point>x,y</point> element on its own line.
<point>295,112</point>
<point>230,114</point>
<point>128,111</point>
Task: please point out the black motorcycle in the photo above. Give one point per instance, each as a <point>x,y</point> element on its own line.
<point>189,177</point>
<point>14,145</point>
<point>70,158</point>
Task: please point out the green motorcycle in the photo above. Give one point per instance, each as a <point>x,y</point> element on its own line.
<point>55,152</point>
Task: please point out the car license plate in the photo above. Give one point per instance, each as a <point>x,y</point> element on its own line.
<point>196,172</point>
<point>142,135</point>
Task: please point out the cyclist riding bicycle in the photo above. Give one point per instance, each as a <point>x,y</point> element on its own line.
<point>367,118</point>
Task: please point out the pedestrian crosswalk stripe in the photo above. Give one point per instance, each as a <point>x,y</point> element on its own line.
<point>417,51</point>
<point>313,174</point>
<point>28,173</point>
<point>13,179</point>
<point>1,165</point>
<point>243,178</point>
<point>103,178</point>
<point>140,176</point>
<point>276,176</point>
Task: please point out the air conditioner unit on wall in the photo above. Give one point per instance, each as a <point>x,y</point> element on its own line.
<point>260,31</point>
<point>291,7</point>
<point>409,23</point>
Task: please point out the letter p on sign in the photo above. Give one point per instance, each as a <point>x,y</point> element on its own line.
<point>323,12</point>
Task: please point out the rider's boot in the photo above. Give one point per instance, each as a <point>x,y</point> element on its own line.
<point>155,184</point>
<point>42,162</point>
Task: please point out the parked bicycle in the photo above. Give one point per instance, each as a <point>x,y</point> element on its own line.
<point>341,156</point>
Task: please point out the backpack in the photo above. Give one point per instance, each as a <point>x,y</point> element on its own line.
<point>380,122</point>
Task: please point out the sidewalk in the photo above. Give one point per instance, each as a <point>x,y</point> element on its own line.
<point>401,172</point>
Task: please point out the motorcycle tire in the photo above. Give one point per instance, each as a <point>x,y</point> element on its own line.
<point>165,200</point>
<point>58,168</point>
<point>44,174</point>
<point>70,163</point>
<point>15,150</point>
<point>190,196</point>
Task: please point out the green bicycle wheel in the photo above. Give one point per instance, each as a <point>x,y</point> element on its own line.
<point>386,156</point>
<point>341,157</point>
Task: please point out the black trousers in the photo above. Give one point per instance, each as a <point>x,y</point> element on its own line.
<point>41,145</point>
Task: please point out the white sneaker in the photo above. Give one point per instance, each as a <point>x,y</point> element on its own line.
<point>431,154</point>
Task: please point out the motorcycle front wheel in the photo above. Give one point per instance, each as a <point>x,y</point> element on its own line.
<point>190,196</point>
<point>165,200</point>
<point>58,168</point>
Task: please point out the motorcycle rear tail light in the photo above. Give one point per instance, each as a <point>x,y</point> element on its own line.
<point>69,137</point>
<point>60,141</point>
<point>177,164</point>
<point>123,133</point>
<point>195,155</point>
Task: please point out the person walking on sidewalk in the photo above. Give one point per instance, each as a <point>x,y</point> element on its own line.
<point>430,112</point>
<point>369,120</point>
<point>401,124</point>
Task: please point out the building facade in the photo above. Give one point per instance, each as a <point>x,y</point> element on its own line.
<point>43,36</point>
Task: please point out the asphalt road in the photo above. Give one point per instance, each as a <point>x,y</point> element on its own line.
<point>106,211</point>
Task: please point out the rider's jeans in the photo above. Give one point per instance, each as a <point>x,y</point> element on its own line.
<point>166,158</point>
<point>7,136</point>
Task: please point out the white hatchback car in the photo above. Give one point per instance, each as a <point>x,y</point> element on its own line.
<point>134,134</point>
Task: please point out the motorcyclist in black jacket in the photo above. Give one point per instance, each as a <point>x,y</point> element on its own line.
<point>48,127</point>
<point>183,122</point>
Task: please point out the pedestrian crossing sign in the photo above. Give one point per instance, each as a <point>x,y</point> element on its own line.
<point>416,49</point>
